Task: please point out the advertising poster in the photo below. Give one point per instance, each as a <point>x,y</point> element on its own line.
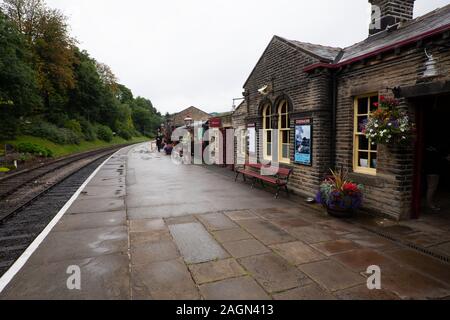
<point>303,142</point>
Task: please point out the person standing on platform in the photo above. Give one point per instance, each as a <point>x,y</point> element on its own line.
<point>159,140</point>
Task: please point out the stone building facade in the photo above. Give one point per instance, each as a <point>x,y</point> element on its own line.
<point>197,115</point>
<point>327,85</point>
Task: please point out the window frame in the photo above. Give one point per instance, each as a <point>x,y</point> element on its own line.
<point>357,168</point>
<point>267,108</point>
<point>283,128</point>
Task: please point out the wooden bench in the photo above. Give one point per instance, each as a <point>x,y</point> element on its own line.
<point>280,179</point>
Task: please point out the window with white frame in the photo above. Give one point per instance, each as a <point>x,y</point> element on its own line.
<point>267,132</point>
<point>365,153</point>
<point>284,134</point>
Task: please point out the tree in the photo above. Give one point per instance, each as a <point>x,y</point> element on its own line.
<point>124,95</point>
<point>51,46</point>
<point>19,94</point>
<point>108,78</point>
<point>86,98</point>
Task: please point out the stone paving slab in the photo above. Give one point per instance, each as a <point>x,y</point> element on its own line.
<point>244,288</point>
<point>266,232</point>
<point>231,235</point>
<point>240,215</point>
<point>332,275</point>
<point>166,280</point>
<point>368,240</point>
<point>410,284</point>
<point>433,267</point>
<point>359,260</point>
<point>313,234</point>
<point>245,248</point>
<point>273,273</point>
<point>154,252</point>
<point>102,278</point>
<point>309,292</point>
<point>337,246</point>
<point>298,253</point>
<point>139,239</point>
<point>216,221</point>
<point>216,271</point>
<point>196,244</point>
<point>97,205</point>
<point>98,192</point>
<point>287,224</point>
<point>147,225</point>
<point>362,293</point>
<point>81,244</point>
<point>92,221</point>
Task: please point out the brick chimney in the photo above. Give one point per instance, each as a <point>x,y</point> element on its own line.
<point>386,13</point>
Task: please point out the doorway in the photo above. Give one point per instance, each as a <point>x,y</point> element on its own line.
<point>432,194</point>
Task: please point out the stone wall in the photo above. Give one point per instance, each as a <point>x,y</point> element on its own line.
<point>390,191</point>
<point>282,66</point>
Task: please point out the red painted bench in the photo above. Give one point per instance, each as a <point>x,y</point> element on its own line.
<point>279,179</point>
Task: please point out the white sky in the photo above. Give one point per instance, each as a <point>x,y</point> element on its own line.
<point>180,53</point>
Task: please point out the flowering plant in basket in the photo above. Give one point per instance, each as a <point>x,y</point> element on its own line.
<point>340,195</point>
<point>388,124</point>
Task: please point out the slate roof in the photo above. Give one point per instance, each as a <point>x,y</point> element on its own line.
<point>434,20</point>
<point>323,52</point>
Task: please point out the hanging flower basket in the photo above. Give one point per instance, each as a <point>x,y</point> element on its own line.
<point>388,125</point>
<point>340,196</point>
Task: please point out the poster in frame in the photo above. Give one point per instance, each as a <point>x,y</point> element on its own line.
<point>303,141</point>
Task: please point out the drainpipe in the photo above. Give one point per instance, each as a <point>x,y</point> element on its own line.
<point>334,93</point>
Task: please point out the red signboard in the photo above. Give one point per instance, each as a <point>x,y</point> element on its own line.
<point>215,123</point>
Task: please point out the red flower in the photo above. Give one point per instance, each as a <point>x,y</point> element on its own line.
<point>376,104</point>
<point>351,188</point>
<point>382,98</point>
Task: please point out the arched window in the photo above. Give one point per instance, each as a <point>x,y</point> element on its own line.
<point>284,134</point>
<point>267,129</point>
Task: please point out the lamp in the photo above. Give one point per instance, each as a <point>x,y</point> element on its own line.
<point>430,66</point>
<point>188,121</point>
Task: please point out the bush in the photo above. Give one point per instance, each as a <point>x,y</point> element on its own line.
<point>104,133</point>
<point>35,149</point>
<point>51,132</point>
<point>74,126</point>
<point>88,130</point>
<point>125,134</point>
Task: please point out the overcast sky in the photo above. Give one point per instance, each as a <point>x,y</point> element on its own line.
<point>180,53</point>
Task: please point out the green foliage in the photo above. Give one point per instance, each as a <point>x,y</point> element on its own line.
<point>74,126</point>
<point>43,74</point>
<point>51,132</point>
<point>34,149</point>
<point>104,133</point>
<point>4,170</point>
<point>88,130</point>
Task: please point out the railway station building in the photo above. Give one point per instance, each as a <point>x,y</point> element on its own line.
<point>316,98</point>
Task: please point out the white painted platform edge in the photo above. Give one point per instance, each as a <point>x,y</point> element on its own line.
<point>18,265</point>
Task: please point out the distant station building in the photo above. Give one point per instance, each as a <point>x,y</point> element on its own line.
<point>316,98</point>
<point>195,114</point>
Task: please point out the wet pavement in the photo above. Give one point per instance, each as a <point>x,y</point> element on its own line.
<point>145,228</point>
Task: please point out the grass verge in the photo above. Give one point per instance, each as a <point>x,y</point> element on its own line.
<point>64,150</point>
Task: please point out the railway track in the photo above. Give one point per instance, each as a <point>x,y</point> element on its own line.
<point>29,200</point>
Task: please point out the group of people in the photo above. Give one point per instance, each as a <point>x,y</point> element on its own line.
<point>162,144</point>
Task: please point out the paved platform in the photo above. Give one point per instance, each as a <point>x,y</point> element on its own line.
<point>144,228</point>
